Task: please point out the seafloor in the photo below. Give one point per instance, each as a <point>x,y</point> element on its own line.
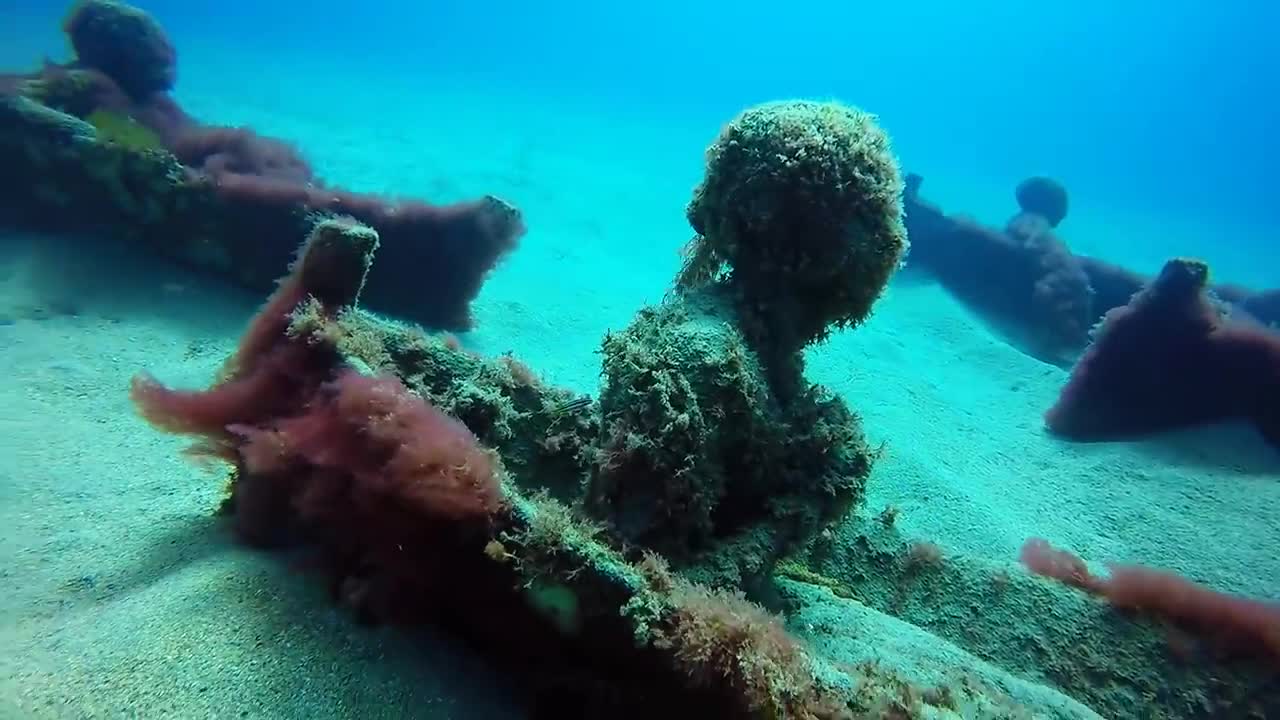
<point>124,596</point>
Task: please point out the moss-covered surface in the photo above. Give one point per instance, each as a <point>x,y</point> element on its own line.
<point>73,91</point>
<point>101,136</point>
<point>1120,665</point>
<point>684,400</point>
<point>800,213</point>
<point>55,163</point>
<point>544,434</point>
<point>117,181</point>
<point>681,401</point>
<point>124,131</point>
<point>700,461</point>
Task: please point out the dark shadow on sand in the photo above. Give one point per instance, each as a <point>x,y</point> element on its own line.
<point>405,672</point>
<point>95,278</point>
<point>1233,446</point>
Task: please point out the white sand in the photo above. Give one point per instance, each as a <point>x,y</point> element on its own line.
<point>123,595</point>
<point>121,591</point>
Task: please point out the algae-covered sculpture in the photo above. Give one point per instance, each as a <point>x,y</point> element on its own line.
<point>714,449</point>
<point>1044,197</point>
<point>125,44</point>
<point>1025,278</point>
<point>417,519</point>
<point>1173,357</point>
<point>98,145</point>
<point>799,218</point>
<point>423,477</point>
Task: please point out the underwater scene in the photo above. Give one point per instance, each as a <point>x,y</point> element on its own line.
<point>561,360</point>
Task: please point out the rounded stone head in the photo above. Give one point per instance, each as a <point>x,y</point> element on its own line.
<point>801,210</point>
<point>124,43</point>
<point>1044,197</point>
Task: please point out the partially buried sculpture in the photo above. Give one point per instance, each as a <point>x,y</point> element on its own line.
<point>415,470</point>
<point>414,518</point>
<point>99,145</point>
<point>715,450</point>
<point>1174,356</point>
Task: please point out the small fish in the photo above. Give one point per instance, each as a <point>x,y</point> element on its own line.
<point>569,407</point>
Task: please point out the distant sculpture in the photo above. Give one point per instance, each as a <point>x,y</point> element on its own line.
<point>98,145</point>
<point>1026,280</point>
<point>1172,357</point>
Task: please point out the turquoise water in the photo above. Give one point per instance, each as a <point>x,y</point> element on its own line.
<point>1158,118</point>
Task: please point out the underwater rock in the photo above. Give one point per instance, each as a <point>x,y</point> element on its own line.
<point>223,200</point>
<point>1171,358</point>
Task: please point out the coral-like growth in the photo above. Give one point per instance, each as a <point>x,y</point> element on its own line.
<point>392,444</point>
<point>1228,621</point>
<point>715,450</point>
<point>701,462</point>
<point>1171,358</point>
<point>722,641</point>
<point>383,480</point>
<point>380,477</point>
<point>123,42</point>
<point>269,374</point>
<point>801,206</point>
